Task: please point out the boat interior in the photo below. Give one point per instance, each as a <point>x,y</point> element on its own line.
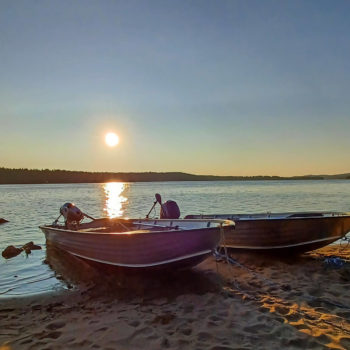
<point>107,225</point>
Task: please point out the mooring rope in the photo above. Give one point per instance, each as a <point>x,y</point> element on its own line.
<point>223,242</point>
<point>219,256</point>
<point>343,247</point>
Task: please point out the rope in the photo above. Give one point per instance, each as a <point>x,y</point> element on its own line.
<point>223,242</point>
<point>344,247</point>
<point>232,261</point>
<point>218,256</point>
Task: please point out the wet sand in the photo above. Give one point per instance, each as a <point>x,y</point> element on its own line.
<point>264,303</point>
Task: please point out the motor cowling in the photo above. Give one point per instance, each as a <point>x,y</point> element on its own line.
<point>71,213</point>
<point>169,210</point>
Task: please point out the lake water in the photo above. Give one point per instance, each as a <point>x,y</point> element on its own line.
<point>28,206</point>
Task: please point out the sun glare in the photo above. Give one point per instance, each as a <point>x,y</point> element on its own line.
<point>115,200</point>
<point>111,139</point>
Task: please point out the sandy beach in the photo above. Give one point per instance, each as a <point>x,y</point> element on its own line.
<point>261,303</point>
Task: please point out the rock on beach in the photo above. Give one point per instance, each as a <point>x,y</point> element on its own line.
<point>12,251</point>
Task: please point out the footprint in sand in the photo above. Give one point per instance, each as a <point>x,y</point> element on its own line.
<point>204,336</point>
<point>186,331</point>
<point>188,309</point>
<point>222,314</point>
<point>37,345</point>
<point>282,310</point>
<point>134,323</point>
<point>51,335</point>
<point>102,329</point>
<point>83,344</point>
<point>345,341</point>
<point>257,328</point>
<point>323,338</point>
<point>164,319</point>
<point>215,318</point>
<point>55,325</point>
<point>165,343</point>
<point>315,291</point>
<point>182,342</point>
<point>221,347</point>
<point>344,314</point>
<point>293,316</point>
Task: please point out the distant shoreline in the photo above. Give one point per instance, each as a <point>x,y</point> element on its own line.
<point>10,176</point>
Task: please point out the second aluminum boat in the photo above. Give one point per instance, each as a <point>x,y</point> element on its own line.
<point>292,232</point>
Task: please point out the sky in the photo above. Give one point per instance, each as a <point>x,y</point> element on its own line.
<point>203,87</point>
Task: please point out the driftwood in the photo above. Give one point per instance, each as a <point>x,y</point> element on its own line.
<point>2,221</point>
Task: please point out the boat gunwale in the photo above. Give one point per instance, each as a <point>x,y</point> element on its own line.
<point>266,217</point>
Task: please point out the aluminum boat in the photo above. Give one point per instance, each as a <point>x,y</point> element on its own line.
<point>140,243</point>
<point>293,232</point>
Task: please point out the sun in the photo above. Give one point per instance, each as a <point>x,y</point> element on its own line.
<point>111,139</point>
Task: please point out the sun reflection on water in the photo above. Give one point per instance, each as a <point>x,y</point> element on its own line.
<point>114,198</point>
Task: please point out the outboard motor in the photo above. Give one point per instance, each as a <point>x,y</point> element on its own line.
<point>71,213</point>
<point>169,210</point>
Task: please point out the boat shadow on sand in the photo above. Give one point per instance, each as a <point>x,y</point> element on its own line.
<point>126,283</point>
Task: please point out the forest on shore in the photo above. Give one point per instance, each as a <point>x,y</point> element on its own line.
<point>41,176</point>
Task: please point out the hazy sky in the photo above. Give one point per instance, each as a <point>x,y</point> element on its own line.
<point>205,87</point>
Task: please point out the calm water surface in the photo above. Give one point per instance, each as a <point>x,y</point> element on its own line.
<point>28,206</point>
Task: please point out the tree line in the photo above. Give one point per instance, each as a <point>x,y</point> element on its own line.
<point>41,176</point>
